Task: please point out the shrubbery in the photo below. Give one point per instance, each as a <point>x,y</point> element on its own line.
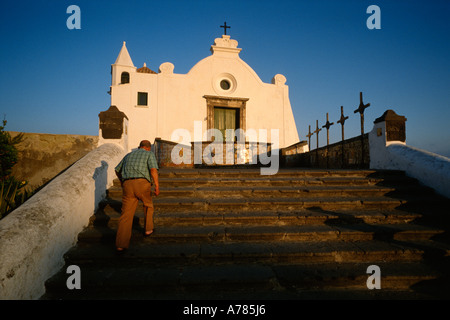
<point>12,191</point>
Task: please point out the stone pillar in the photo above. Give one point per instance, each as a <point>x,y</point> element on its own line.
<point>113,127</point>
<point>394,126</point>
<point>388,129</point>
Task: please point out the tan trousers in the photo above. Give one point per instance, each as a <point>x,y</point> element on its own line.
<point>133,191</point>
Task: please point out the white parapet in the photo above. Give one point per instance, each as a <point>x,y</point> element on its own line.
<point>35,236</point>
<point>430,169</point>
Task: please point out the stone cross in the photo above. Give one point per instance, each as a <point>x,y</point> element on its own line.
<point>342,121</point>
<point>225,27</point>
<point>327,125</point>
<point>361,109</point>
<point>317,132</point>
<point>309,138</point>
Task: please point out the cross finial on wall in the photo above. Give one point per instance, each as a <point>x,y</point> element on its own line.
<point>327,125</point>
<point>225,27</point>
<point>342,121</point>
<point>317,133</point>
<point>361,109</point>
<point>309,137</point>
<point>362,106</point>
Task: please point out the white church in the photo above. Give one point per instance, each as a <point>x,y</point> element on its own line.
<point>220,92</point>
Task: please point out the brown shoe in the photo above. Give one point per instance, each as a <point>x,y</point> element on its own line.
<point>120,250</point>
<point>148,233</point>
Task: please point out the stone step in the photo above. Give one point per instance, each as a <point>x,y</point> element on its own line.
<point>109,214</point>
<point>279,181</point>
<point>292,199</point>
<point>278,191</point>
<point>255,233</point>
<point>324,202</point>
<point>152,252</point>
<point>193,177</point>
<point>277,203</point>
<point>264,181</point>
<point>282,172</point>
<point>249,281</point>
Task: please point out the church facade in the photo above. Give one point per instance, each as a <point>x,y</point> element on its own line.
<point>220,92</point>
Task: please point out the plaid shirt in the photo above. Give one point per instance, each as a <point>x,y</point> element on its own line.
<point>137,164</point>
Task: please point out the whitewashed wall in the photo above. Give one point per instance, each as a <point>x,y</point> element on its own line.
<point>35,236</point>
<point>430,169</point>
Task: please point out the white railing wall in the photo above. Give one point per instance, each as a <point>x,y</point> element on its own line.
<point>35,236</point>
<point>430,169</point>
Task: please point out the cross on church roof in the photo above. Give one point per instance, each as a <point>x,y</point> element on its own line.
<point>225,27</point>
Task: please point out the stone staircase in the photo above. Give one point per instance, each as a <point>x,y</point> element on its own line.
<point>230,233</point>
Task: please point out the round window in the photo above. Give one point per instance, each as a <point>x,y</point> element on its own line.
<point>225,85</point>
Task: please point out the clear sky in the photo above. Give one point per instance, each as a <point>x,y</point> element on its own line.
<point>55,80</point>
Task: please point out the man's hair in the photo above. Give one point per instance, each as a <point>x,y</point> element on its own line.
<point>145,143</point>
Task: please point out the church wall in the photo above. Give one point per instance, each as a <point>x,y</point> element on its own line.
<point>265,110</point>
<point>121,96</point>
<point>179,105</point>
<point>142,119</point>
<point>116,72</point>
<point>267,102</point>
<point>188,105</point>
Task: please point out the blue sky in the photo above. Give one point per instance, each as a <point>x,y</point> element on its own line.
<point>55,80</point>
